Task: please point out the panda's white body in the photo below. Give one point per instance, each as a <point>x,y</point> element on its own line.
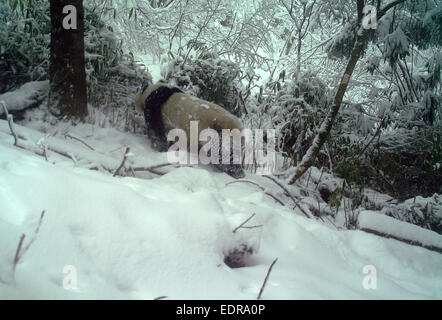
<point>180,109</point>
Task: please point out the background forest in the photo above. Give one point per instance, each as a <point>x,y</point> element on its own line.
<point>276,64</point>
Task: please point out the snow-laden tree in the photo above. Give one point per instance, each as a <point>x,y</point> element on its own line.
<point>410,82</point>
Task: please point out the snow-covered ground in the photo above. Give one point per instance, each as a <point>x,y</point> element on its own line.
<point>148,236</point>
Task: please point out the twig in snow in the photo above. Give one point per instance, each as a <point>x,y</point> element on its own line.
<point>10,121</point>
<point>67,135</point>
<point>267,277</point>
<point>320,177</point>
<point>247,220</point>
<point>153,170</point>
<point>35,233</point>
<point>117,172</point>
<point>253,227</point>
<point>308,179</point>
<point>274,198</point>
<point>246,181</point>
<point>160,298</point>
<point>19,253</point>
<point>408,241</point>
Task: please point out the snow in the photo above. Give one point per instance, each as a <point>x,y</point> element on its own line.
<point>403,230</point>
<point>154,67</point>
<point>24,96</point>
<point>148,236</point>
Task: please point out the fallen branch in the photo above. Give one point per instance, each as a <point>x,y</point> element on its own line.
<point>126,154</point>
<point>64,154</point>
<point>407,241</point>
<point>152,169</point>
<point>80,140</point>
<point>389,227</point>
<point>10,121</point>
<point>266,278</point>
<point>160,298</point>
<point>157,166</point>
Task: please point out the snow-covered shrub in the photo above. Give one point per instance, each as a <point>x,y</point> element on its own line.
<point>208,77</point>
<point>24,44</point>
<point>424,212</point>
<point>402,163</point>
<point>113,75</point>
<point>296,108</point>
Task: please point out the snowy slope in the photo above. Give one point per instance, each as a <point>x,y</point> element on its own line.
<point>134,238</point>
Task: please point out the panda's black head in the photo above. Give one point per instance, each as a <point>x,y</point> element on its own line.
<point>148,82</point>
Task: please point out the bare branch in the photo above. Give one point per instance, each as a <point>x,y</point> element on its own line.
<point>247,220</point>
<point>261,188</point>
<point>153,170</point>
<point>19,253</point>
<point>10,121</point>
<point>126,154</point>
<point>246,181</point>
<point>35,233</point>
<point>266,278</point>
<point>408,241</point>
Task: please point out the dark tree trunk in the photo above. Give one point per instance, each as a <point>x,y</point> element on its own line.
<point>68,95</point>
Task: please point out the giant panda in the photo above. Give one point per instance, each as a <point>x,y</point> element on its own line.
<point>166,108</point>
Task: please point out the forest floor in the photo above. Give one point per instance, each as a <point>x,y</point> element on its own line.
<point>165,231</point>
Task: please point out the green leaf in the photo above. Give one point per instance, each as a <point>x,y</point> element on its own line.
<point>14,5</point>
<point>131,12</point>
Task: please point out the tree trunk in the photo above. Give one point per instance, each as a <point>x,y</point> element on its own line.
<point>68,94</point>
